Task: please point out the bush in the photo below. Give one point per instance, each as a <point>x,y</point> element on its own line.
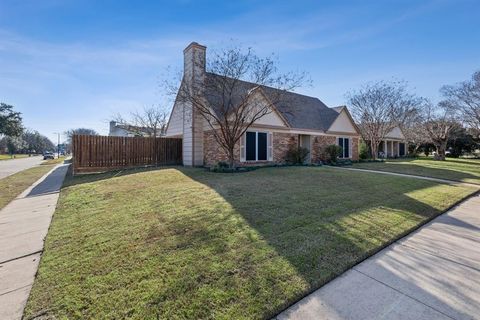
<point>226,169</point>
<point>296,155</point>
<point>363,152</point>
<point>222,164</point>
<point>332,152</point>
<point>343,162</point>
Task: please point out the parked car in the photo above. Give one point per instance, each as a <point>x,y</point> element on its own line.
<point>48,155</point>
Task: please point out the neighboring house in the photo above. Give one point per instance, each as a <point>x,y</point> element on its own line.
<point>125,130</point>
<point>300,121</point>
<point>394,144</point>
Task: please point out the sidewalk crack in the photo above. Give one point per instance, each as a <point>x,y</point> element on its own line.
<point>21,257</point>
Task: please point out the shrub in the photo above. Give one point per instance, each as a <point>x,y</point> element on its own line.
<point>222,164</point>
<point>332,152</point>
<point>343,162</point>
<point>363,152</point>
<point>296,155</point>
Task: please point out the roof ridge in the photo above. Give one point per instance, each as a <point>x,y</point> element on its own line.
<point>268,87</point>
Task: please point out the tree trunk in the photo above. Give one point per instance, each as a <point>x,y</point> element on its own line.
<point>415,150</point>
<point>231,158</point>
<point>441,151</point>
<point>374,147</point>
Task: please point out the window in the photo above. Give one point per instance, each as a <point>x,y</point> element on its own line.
<point>256,146</point>
<point>345,144</point>
<point>402,149</point>
<point>251,146</point>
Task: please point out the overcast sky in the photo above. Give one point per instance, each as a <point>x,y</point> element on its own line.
<point>67,64</point>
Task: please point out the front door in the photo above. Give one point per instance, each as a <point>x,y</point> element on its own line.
<point>305,143</point>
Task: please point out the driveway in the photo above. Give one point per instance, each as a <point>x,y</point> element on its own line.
<point>434,273</point>
<point>9,167</point>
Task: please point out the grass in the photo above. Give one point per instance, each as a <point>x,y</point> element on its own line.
<point>464,170</point>
<point>54,161</point>
<point>8,157</point>
<point>183,243</point>
<point>16,183</point>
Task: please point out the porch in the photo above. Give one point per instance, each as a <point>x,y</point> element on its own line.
<point>391,149</point>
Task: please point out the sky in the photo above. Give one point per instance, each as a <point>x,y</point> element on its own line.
<point>69,64</point>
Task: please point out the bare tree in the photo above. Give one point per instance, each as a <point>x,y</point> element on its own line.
<point>150,121</point>
<point>465,97</point>
<point>413,128</point>
<point>239,89</point>
<point>379,107</point>
<point>86,131</point>
<point>440,122</point>
<point>416,135</point>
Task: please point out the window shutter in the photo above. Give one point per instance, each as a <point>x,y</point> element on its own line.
<point>242,148</point>
<point>346,151</point>
<point>269,146</point>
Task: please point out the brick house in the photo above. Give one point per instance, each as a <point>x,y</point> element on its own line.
<point>306,122</point>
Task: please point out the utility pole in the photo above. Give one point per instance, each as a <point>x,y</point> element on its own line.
<point>58,144</point>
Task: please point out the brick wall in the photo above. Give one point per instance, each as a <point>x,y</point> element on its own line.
<point>354,149</point>
<point>282,142</point>
<point>213,152</point>
<point>318,147</point>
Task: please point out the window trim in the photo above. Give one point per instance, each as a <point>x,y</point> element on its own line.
<point>343,149</point>
<point>269,137</point>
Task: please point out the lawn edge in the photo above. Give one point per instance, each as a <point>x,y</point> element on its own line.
<point>419,176</point>
<point>55,166</point>
<point>377,250</point>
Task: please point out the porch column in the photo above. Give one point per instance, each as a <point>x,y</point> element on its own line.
<point>385,150</point>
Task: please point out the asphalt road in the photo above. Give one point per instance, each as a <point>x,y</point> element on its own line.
<point>9,167</point>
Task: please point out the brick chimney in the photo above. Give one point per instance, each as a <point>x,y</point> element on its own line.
<point>194,60</point>
<point>112,128</point>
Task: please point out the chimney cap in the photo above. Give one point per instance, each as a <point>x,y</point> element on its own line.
<point>195,44</point>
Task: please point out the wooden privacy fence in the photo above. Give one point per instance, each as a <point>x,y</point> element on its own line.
<point>101,153</point>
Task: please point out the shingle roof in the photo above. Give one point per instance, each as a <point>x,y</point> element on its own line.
<point>300,111</point>
<point>132,128</point>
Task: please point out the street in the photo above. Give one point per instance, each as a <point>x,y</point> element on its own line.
<point>9,167</point>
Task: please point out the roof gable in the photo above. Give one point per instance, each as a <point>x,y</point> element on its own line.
<point>395,133</point>
<point>273,118</point>
<point>344,122</point>
<point>299,111</point>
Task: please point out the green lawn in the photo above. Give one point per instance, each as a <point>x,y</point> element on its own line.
<point>465,170</point>
<point>15,184</point>
<point>61,159</point>
<point>183,243</point>
<point>8,157</point>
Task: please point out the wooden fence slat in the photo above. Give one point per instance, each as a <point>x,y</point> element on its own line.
<point>103,153</point>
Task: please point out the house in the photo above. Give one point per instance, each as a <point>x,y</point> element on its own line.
<point>394,144</point>
<point>310,124</point>
<point>126,130</point>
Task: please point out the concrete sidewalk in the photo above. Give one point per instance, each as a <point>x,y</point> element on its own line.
<point>24,224</point>
<point>434,273</point>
